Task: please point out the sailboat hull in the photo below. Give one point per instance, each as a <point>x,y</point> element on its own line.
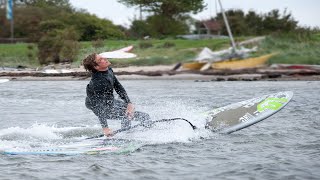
<point>243,63</point>
<point>194,65</point>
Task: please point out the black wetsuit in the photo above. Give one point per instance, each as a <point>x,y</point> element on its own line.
<point>101,101</point>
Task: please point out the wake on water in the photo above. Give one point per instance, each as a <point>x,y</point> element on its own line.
<point>42,135</point>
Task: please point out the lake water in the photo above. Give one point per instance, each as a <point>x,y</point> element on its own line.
<point>48,113</point>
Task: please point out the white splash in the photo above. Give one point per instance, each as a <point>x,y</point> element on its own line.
<point>42,135</point>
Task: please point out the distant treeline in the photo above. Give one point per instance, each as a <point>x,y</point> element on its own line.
<point>57,27</point>
<point>32,17</point>
<point>258,24</point>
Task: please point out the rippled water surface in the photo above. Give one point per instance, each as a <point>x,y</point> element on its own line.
<point>49,113</point>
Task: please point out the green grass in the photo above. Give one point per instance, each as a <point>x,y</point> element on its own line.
<point>291,51</point>
<point>12,55</point>
<point>182,51</point>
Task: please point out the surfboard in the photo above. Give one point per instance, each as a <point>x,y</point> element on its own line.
<point>123,53</point>
<point>126,49</point>
<point>4,80</point>
<point>86,147</point>
<point>226,119</point>
<point>118,55</point>
<point>243,114</point>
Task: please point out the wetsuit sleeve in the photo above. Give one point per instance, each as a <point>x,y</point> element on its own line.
<point>121,91</point>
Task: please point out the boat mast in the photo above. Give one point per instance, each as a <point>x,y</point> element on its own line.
<point>228,27</point>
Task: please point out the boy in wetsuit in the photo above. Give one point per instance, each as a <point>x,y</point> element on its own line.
<point>100,98</point>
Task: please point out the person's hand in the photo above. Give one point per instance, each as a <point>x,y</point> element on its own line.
<point>107,132</point>
<point>130,111</point>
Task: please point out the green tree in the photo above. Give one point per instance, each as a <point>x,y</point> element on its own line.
<point>57,42</point>
<point>90,27</point>
<point>274,22</point>
<point>161,26</point>
<point>254,23</point>
<point>236,19</point>
<point>168,17</point>
<point>30,13</point>
<point>167,8</point>
<point>139,29</point>
<point>27,21</point>
<point>28,16</point>
<point>49,44</point>
<point>62,4</point>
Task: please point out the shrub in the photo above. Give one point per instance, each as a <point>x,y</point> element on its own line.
<point>58,45</point>
<point>168,45</point>
<point>99,43</point>
<point>145,45</point>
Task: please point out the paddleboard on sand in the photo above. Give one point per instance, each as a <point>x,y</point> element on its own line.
<point>123,53</point>
<point>243,114</point>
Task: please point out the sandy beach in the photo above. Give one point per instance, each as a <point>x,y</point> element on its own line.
<point>165,72</point>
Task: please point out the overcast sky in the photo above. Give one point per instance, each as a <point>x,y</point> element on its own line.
<point>307,12</point>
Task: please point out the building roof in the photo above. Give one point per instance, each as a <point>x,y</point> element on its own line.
<point>211,25</point>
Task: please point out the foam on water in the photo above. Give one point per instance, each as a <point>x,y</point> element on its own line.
<point>4,80</point>
<point>285,146</point>
<point>42,135</point>
<point>173,131</point>
<point>37,131</point>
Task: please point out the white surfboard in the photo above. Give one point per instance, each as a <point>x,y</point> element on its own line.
<point>85,147</point>
<point>126,49</point>
<point>117,55</point>
<point>243,114</point>
<point>4,80</point>
<point>123,53</point>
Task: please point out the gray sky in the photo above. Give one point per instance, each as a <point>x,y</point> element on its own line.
<point>307,12</point>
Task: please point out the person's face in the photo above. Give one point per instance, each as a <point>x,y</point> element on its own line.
<point>102,62</point>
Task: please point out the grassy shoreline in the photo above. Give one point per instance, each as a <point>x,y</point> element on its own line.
<point>166,52</point>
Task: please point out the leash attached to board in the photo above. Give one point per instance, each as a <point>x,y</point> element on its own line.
<point>149,124</point>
